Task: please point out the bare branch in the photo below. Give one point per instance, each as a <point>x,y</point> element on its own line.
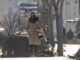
<point>10,22</point>
<point>46,4</point>
<point>58,2</point>
<point>54,3</point>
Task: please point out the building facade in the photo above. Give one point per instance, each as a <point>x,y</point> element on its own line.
<point>70,13</point>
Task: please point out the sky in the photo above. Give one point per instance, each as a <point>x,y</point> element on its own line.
<point>5,4</point>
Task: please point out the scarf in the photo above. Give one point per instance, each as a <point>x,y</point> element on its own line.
<point>33,20</point>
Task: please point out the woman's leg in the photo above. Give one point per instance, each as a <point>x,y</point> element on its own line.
<point>33,49</point>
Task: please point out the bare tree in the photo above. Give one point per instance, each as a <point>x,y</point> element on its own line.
<point>10,22</point>
<point>58,7</point>
<point>49,20</point>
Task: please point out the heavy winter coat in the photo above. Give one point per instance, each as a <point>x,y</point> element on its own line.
<point>33,34</point>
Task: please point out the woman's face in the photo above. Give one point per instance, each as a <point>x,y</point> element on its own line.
<point>32,15</point>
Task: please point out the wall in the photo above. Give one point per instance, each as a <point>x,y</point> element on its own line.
<point>70,11</point>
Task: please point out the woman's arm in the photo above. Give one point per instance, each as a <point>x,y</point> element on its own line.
<point>40,28</point>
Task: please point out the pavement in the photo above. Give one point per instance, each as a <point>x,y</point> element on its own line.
<point>38,58</point>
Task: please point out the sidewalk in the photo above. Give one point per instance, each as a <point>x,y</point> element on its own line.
<point>38,58</point>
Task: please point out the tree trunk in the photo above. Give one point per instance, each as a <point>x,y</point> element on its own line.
<point>51,28</point>
<point>79,8</point>
<point>59,25</point>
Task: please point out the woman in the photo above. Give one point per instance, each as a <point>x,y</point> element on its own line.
<point>35,33</point>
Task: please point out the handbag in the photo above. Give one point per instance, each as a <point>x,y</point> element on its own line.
<point>41,33</point>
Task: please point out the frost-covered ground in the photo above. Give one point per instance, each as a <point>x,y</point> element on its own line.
<point>69,49</point>
<point>38,58</point>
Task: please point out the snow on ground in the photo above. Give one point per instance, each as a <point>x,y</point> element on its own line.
<point>69,49</point>
<point>38,58</point>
